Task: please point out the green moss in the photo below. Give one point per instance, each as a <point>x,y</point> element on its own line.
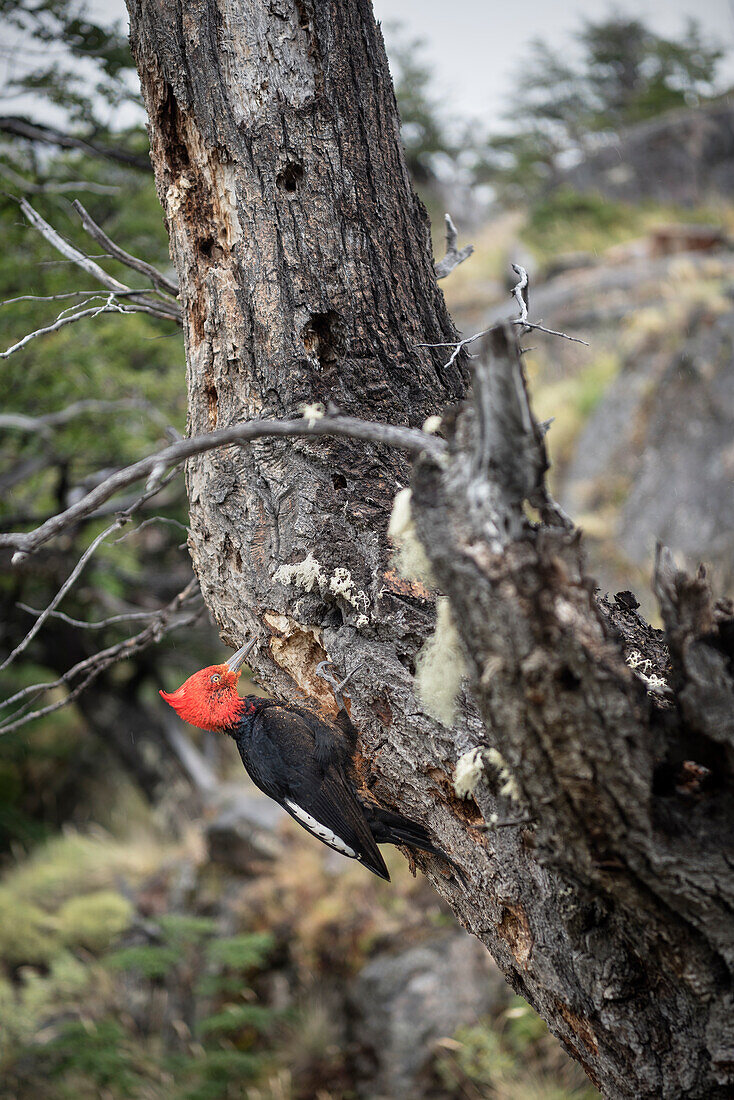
<point>74,864</point>
<point>94,921</point>
<point>33,998</point>
<point>27,935</point>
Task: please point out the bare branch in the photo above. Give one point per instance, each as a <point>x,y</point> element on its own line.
<point>158,279</point>
<point>49,135</point>
<point>62,592</point>
<point>95,665</point>
<point>411,440</point>
<point>99,624</point>
<point>52,187</point>
<point>521,291</point>
<point>109,305</point>
<point>552,332</point>
<point>79,408</point>
<point>158,308</point>
<point>50,297</point>
<point>456,346</point>
<point>120,521</point>
<point>453,256</point>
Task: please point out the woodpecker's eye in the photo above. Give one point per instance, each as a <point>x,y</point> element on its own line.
<point>216,678</point>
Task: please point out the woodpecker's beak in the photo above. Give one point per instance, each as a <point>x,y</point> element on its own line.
<point>236,661</point>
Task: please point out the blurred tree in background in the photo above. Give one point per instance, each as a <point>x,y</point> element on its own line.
<point>625,73</point>
<point>424,125</point>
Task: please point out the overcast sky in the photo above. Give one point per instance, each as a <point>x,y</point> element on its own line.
<point>477,47</point>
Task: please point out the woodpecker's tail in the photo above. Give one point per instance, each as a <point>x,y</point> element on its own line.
<point>390,828</point>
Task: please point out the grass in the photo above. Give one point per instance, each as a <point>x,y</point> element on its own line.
<point>569,221</point>
<point>571,400</point>
<point>512,1057</point>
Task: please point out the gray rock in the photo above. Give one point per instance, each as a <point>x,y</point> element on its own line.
<point>242,835</point>
<point>404,1002</point>
<point>665,430</point>
<point>685,157</point>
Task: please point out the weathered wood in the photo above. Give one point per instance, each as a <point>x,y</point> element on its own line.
<point>619,899</point>
<point>306,277</point>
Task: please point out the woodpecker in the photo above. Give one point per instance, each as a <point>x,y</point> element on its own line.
<point>302,761</point>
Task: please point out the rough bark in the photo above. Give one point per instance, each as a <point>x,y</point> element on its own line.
<point>306,276</point>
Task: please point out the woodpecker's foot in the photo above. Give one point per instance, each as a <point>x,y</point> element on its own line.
<point>337,686</point>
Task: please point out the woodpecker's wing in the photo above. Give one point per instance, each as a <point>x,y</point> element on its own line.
<point>302,763</point>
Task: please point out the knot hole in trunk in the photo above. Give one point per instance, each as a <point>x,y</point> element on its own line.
<point>324,338</point>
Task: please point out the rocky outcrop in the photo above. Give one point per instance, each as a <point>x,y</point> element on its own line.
<point>685,157</point>
<point>664,430</point>
<point>404,1002</point>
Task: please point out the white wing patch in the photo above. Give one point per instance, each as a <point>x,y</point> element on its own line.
<point>320,830</point>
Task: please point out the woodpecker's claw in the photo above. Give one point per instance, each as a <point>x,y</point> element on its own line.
<point>337,686</point>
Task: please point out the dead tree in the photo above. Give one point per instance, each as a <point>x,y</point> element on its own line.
<point>597,837</point>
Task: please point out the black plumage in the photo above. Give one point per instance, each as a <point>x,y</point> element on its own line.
<point>302,761</point>
<point>306,764</point>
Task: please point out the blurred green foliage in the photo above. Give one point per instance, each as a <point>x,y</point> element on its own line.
<point>423,125</point>
<point>565,220</point>
<point>132,368</point>
<point>63,984</point>
<point>510,1058</point>
<point>86,66</point>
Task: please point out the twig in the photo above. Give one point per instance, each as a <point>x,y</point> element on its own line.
<point>110,305</point>
<point>52,297</point>
<point>158,308</point>
<point>552,332</point>
<point>61,592</point>
<point>54,187</point>
<point>158,279</point>
<point>32,131</point>
<point>457,346</point>
<point>453,256</point>
<point>411,440</point>
<point>100,661</point>
<point>99,624</point>
<point>521,291</point>
<point>120,521</point>
<point>78,408</point>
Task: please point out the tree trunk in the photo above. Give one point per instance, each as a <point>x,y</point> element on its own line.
<point>306,276</point>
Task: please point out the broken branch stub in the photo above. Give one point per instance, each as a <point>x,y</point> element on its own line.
<point>616,860</point>
<point>507,454</point>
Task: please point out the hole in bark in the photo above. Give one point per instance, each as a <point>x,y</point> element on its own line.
<point>407,662</point>
<point>291,176</point>
<point>212,405</point>
<point>209,249</point>
<point>323,337</point>
<point>568,679</point>
<point>340,482</point>
<point>687,778</point>
<point>169,121</point>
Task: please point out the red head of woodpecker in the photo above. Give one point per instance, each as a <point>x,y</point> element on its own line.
<point>209,699</point>
<point>301,760</point>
